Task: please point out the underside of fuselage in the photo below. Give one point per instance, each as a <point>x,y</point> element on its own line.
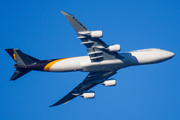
<point>26,63</point>
<point>83,63</point>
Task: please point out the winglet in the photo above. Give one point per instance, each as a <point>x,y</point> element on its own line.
<point>78,27</point>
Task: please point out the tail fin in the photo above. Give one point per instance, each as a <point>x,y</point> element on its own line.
<point>20,57</point>
<point>22,60</point>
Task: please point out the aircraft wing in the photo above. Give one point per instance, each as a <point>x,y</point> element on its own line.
<point>91,80</point>
<point>96,48</point>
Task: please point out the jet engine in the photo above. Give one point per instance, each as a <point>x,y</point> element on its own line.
<point>93,34</point>
<point>88,95</point>
<point>114,48</point>
<point>111,82</point>
<point>96,34</point>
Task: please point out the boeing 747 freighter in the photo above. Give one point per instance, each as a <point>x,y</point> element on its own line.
<point>102,62</point>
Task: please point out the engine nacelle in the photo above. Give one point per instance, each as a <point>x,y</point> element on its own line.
<point>88,95</point>
<point>114,48</point>
<point>93,34</point>
<point>96,34</point>
<point>110,82</point>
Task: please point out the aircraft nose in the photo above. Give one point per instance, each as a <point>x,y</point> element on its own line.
<point>170,54</point>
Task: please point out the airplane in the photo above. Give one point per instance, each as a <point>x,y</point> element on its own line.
<point>102,62</point>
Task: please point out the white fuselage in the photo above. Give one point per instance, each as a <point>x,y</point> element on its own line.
<point>138,57</point>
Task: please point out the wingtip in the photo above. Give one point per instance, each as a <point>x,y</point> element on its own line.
<point>62,11</point>
<point>54,105</point>
<point>11,80</point>
<point>51,105</point>
<point>65,13</point>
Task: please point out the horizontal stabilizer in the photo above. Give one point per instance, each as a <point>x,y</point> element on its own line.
<point>21,59</point>
<point>18,73</point>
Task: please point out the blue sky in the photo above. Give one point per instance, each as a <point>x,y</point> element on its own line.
<point>40,30</point>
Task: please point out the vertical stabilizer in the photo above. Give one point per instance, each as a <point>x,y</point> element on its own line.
<point>22,60</point>
<point>20,57</point>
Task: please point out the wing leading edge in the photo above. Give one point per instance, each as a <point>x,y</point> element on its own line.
<point>96,48</point>
<point>97,51</point>
<point>91,80</point>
